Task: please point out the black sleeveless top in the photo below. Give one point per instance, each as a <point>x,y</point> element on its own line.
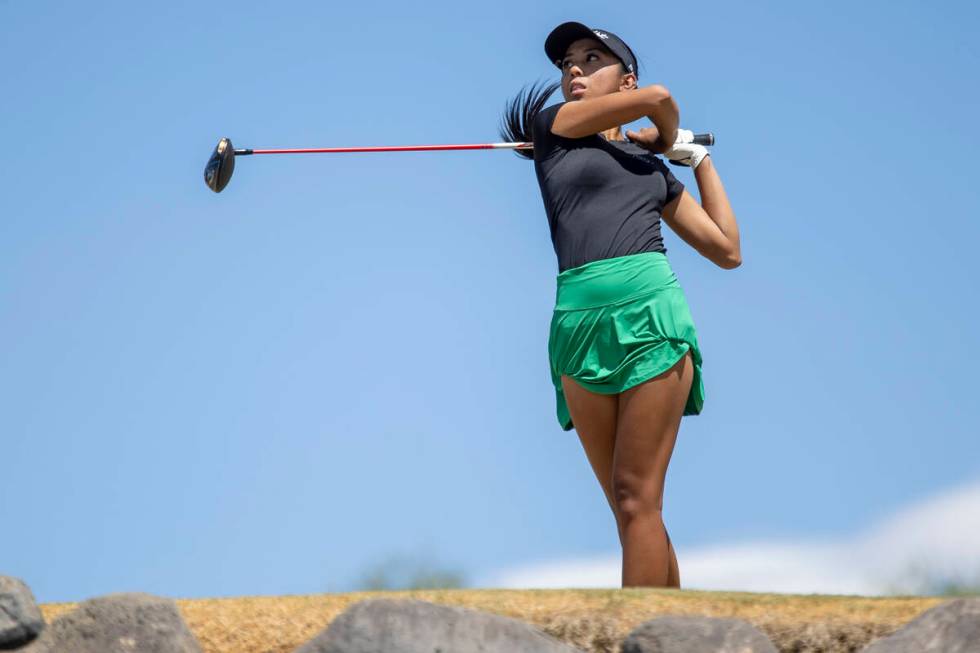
<point>603,198</point>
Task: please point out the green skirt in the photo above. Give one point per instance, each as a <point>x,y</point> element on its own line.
<point>619,322</point>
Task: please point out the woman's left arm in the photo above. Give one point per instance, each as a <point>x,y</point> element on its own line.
<point>709,227</point>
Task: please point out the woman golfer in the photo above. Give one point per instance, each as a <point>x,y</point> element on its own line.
<point>623,349</point>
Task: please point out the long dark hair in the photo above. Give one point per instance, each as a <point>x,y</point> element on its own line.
<point>517,125</point>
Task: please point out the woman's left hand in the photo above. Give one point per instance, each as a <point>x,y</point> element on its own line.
<point>649,139</point>
<point>687,154</point>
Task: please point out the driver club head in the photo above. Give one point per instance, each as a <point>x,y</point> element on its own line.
<point>217,173</point>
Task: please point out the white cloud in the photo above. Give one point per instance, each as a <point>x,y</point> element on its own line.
<point>938,536</point>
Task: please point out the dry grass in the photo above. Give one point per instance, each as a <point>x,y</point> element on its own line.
<point>595,620</point>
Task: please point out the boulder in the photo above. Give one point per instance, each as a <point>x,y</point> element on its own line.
<point>950,627</point>
<point>696,634</point>
<point>126,622</point>
<point>20,619</point>
<point>414,626</point>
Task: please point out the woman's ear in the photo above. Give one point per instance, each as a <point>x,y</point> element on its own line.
<point>628,83</point>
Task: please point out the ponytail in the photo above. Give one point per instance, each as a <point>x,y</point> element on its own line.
<point>517,125</point>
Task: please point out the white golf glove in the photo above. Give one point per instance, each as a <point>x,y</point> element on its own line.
<point>684,136</point>
<point>685,152</point>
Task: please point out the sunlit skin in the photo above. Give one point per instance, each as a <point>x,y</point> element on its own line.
<point>587,62</point>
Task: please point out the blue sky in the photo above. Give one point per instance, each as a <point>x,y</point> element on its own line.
<point>342,358</point>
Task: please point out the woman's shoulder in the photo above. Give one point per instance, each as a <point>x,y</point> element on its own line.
<point>546,144</point>
<point>545,118</point>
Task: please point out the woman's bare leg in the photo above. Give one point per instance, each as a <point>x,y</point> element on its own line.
<point>646,429</point>
<point>594,418</point>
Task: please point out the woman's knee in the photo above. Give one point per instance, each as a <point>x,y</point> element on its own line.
<point>634,494</point>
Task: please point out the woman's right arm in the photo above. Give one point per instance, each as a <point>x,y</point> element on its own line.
<point>709,227</point>
<point>586,117</point>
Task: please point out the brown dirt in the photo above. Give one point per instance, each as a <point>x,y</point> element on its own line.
<point>595,620</point>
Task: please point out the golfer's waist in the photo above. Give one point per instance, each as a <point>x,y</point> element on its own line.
<point>613,280</point>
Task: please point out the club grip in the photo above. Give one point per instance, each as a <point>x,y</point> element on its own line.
<point>704,139</point>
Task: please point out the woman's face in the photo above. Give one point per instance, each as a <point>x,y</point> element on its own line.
<point>593,70</point>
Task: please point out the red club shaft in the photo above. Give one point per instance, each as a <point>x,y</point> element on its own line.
<point>399,148</point>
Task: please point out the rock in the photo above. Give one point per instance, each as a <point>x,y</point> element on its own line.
<point>950,627</point>
<point>694,634</point>
<point>414,626</point>
<point>20,619</point>
<point>126,622</point>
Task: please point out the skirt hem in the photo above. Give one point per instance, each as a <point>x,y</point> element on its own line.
<point>639,374</point>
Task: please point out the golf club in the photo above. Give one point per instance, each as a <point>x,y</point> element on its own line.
<point>221,165</point>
